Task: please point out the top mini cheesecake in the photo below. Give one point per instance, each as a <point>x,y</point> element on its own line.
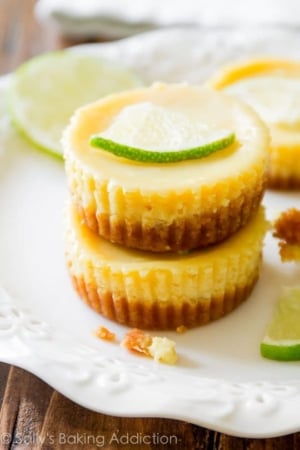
<point>174,205</point>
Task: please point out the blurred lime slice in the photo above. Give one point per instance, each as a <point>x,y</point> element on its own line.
<point>46,91</point>
<point>275,98</point>
<point>282,339</point>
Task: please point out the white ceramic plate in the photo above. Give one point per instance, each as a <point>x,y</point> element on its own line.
<point>221,381</point>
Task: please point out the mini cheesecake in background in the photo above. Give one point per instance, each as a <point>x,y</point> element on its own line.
<point>272,88</point>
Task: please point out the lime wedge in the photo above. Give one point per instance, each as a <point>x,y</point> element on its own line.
<point>282,339</point>
<point>47,90</point>
<point>150,133</point>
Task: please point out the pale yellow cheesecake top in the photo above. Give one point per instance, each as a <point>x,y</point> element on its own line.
<point>202,107</point>
<point>272,88</point>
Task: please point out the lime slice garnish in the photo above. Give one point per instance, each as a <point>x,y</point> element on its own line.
<point>151,133</point>
<point>47,90</point>
<point>137,154</point>
<point>282,339</point>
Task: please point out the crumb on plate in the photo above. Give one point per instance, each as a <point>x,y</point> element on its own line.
<point>287,226</point>
<point>287,230</point>
<point>289,252</point>
<point>161,349</point>
<point>105,334</point>
<point>181,329</point>
<point>137,341</point>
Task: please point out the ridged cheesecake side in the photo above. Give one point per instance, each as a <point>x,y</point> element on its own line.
<point>195,219</point>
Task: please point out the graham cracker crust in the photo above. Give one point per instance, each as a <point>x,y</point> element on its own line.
<point>160,315</point>
<point>187,233</point>
<point>280,182</point>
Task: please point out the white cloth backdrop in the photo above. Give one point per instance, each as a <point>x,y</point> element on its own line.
<point>125,17</point>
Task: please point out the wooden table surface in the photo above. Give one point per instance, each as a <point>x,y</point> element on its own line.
<point>33,415</point>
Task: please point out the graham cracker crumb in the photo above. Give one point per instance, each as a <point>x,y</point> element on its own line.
<point>137,341</point>
<point>287,230</point>
<point>161,349</point>
<point>105,334</point>
<point>287,226</point>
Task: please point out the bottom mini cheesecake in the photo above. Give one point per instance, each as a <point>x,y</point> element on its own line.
<point>163,291</point>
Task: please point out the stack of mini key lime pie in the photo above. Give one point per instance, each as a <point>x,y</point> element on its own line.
<point>164,225</point>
